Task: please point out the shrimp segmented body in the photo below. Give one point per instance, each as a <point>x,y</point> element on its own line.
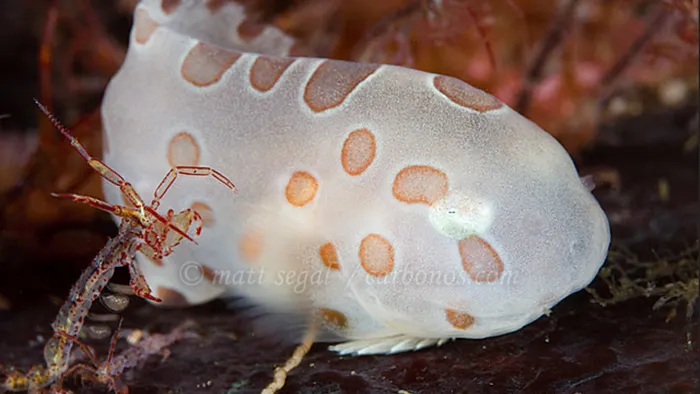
<point>142,229</point>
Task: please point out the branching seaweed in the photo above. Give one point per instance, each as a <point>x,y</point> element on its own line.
<point>672,279</point>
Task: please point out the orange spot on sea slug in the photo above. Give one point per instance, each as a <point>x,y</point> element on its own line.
<point>335,318</point>
<point>329,256</point>
<point>144,26</point>
<point>358,151</point>
<point>251,245</point>
<point>171,297</point>
<point>420,184</point>
<point>333,81</point>
<point>169,6</point>
<point>183,150</point>
<point>205,64</point>
<point>376,255</point>
<point>266,71</point>
<point>480,260</point>
<point>466,95</point>
<point>458,319</point>
<point>208,273</point>
<point>301,188</point>
<point>249,29</point>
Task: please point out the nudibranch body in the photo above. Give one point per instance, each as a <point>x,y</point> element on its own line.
<point>401,207</point>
